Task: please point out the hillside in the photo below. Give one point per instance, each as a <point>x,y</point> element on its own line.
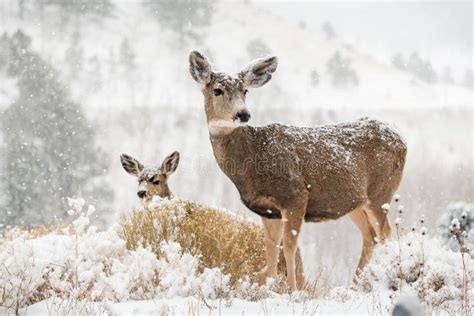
<point>160,76</point>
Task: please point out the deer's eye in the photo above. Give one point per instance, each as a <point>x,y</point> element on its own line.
<point>156,182</point>
<point>217,92</point>
<point>246,91</point>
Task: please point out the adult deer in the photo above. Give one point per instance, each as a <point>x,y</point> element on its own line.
<point>289,175</point>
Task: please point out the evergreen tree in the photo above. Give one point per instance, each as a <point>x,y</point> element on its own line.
<point>468,78</point>
<point>127,55</point>
<point>181,16</point>
<point>49,145</point>
<point>315,78</point>
<point>399,62</point>
<point>421,69</point>
<point>75,56</point>
<point>329,31</point>
<point>76,9</point>
<point>415,64</point>
<point>429,75</point>
<point>127,60</point>
<point>21,9</point>
<point>447,75</point>
<point>341,71</point>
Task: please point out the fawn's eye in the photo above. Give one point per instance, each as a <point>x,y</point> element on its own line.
<point>246,91</point>
<point>217,92</point>
<point>156,182</point>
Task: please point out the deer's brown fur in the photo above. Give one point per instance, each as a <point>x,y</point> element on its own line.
<point>289,175</point>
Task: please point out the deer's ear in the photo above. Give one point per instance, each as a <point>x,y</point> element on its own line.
<point>200,67</point>
<point>131,165</point>
<point>170,163</point>
<point>259,72</point>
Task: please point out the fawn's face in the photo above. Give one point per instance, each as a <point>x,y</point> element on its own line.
<point>152,181</point>
<point>224,95</point>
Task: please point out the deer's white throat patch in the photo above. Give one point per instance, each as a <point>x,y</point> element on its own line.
<point>217,127</point>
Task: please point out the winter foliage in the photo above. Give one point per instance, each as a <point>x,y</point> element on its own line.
<point>86,264</point>
<point>459,216</point>
<point>182,16</point>
<point>48,141</point>
<point>428,269</point>
<point>341,71</point>
<point>421,69</point>
<point>80,264</point>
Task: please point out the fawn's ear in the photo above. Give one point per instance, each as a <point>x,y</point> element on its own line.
<point>170,163</point>
<point>200,67</point>
<point>259,72</point>
<point>131,165</point>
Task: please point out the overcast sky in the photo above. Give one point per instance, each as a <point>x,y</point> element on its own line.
<point>440,31</point>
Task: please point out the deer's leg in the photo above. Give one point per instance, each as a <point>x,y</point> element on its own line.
<point>375,222</point>
<point>380,222</point>
<point>360,219</point>
<point>378,219</point>
<point>387,228</point>
<point>292,224</point>
<point>273,233</point>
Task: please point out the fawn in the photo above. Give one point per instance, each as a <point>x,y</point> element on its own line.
<point>152,180</point>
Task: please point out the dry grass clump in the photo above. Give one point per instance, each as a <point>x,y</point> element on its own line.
<point>219,238</point>
<point>57,228</point>
<point>43,230</point>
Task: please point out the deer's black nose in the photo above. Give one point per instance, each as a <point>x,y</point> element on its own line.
<point>243,116</point>
<point>141,194</point>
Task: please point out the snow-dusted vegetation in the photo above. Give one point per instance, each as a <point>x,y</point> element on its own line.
<point>418,261</point>
<point>82,82</point>
<point>160,253</point>
<point>456,226</point>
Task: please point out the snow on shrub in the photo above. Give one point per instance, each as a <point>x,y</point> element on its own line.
<point>179,275</point>
<point>96,266</point>
<point>86,265</point>
<point>421,263</point>
<point>459,216</point>
<point>20,276</point>
<point>217,237</point>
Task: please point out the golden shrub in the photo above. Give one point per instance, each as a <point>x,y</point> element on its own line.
<point>218,237</point>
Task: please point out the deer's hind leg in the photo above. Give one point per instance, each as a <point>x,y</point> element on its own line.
<point>380,222</point>
<point>273,234</point>
<point>361,220</point>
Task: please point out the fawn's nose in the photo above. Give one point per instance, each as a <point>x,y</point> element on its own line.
<point>244,116</point>
<point>141,194</point>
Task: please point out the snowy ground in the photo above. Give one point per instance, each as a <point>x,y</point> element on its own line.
<point>362,305</point>
<point>92,272</point>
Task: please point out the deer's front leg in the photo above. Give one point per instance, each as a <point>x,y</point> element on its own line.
<point>292,224</point>
<point>272,238</point>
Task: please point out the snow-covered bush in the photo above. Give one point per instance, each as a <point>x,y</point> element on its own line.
<point>217,237</point>
<point>180,275</point>
<point>82,264</point>
<point>421,263</point>
<point>21,278</point>
<point>459,216</point>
